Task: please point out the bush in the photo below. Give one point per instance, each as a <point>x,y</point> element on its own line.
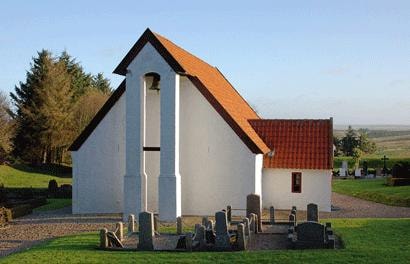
<point>52,187</point>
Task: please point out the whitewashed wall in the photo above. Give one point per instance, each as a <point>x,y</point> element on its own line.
<point>217,168</point>
<point>277,189</point>
<point>152,159</point>
<point>99,166</point>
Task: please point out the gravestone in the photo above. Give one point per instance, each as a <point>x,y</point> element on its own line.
<point>179,225</point>
<point>312,232</point>
<point>247,226</point>
<point>272,215</point>
<point>199,237</point>
<point>293,211</point>
<point>222,240</point>
<point>358,172</point>
<point>156,223</point>
<point>103,238</point>
<point>240,237</point>
<point>312,212</point>
<point>188,241</point>
<point>204,221</point>
<point>365,168</point>
<point>210,225</point>
<point>119,230</point>
<point>254,205</point>
<point>252,221</point>
<point>292,219</point>
<point>229,214</point>
<point>146,231</point>
<point>131,223</point>
<point>342,172</point>
<point>378,172</point>
<point>345,165</point>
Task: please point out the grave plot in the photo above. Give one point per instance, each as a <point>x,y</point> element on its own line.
<point>223,232</point>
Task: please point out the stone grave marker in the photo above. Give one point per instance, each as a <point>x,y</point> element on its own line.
<point>103,238</point>
<point>199,237</point>
<point>240,237</point>
<point>146,231</point>
<point>247,226</point>
<point>254,205</point>
<point>272,215</point>
<point>312,232</point>
<point>131,223</point>
<point>292,219</point>
<point>312,212</point>
<point>179,225</point>
<point>222,240</point>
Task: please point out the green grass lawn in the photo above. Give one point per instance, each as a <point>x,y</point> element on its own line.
<point>25,177</point>
<point>374,190</point>
<point>53,204</point>
<point>366,241</point>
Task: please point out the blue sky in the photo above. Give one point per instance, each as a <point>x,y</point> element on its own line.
<point>289,59</point>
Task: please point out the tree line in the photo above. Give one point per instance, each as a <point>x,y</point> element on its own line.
<point>47,111</point>
<point>354,143</point>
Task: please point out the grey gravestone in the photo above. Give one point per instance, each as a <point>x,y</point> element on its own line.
<point>156,224</point>
<point>103,238</point>
<point>379,172</point>
<point>204,221</point>
<point>222,240</point>
<point>188,241</point>
<point>312,212</point>
<point>292,219</point>
<point>272,215</point>
<point>199,237</point>
<point>119,230</point>
<point>294,211</point>
<point>179,225</point>
<point>146,231</point>
<point>252,221</point>
<point>247,226</point>
<point>229,213</point>
<point>345,166</point>
<point>254,205</point>
<point>210,225</point>
<point>240,237</point>
<point>311,231</point>
<point>131,223</point>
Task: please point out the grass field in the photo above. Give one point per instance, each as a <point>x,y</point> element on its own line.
<point>374,190</point>
<point>366,241</point>
<point>53,204</point>
<point>25,177</point>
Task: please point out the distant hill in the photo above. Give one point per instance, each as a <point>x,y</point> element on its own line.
<point>391,140</point>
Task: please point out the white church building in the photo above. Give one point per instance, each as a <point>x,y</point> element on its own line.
<point>176,138</point>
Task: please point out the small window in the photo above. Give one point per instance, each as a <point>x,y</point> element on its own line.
<point>296,182</point>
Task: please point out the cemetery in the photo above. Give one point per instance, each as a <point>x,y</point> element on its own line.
<point>227,230</point>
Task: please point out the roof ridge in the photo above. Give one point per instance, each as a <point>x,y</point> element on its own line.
<point>196,57</point>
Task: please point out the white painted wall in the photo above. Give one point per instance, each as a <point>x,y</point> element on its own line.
<point>152,158</point>
<point>99,166</point>
<point>277,189</point>
<point>217,168</point>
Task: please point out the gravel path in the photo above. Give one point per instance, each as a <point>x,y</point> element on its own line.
<point>24,232</point>
<point>351,207</point>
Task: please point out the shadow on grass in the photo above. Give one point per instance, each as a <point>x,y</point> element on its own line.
<point>61,171</point>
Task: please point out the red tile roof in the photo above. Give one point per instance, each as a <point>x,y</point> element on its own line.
<point>297,144</point>
<point>209,81</point>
